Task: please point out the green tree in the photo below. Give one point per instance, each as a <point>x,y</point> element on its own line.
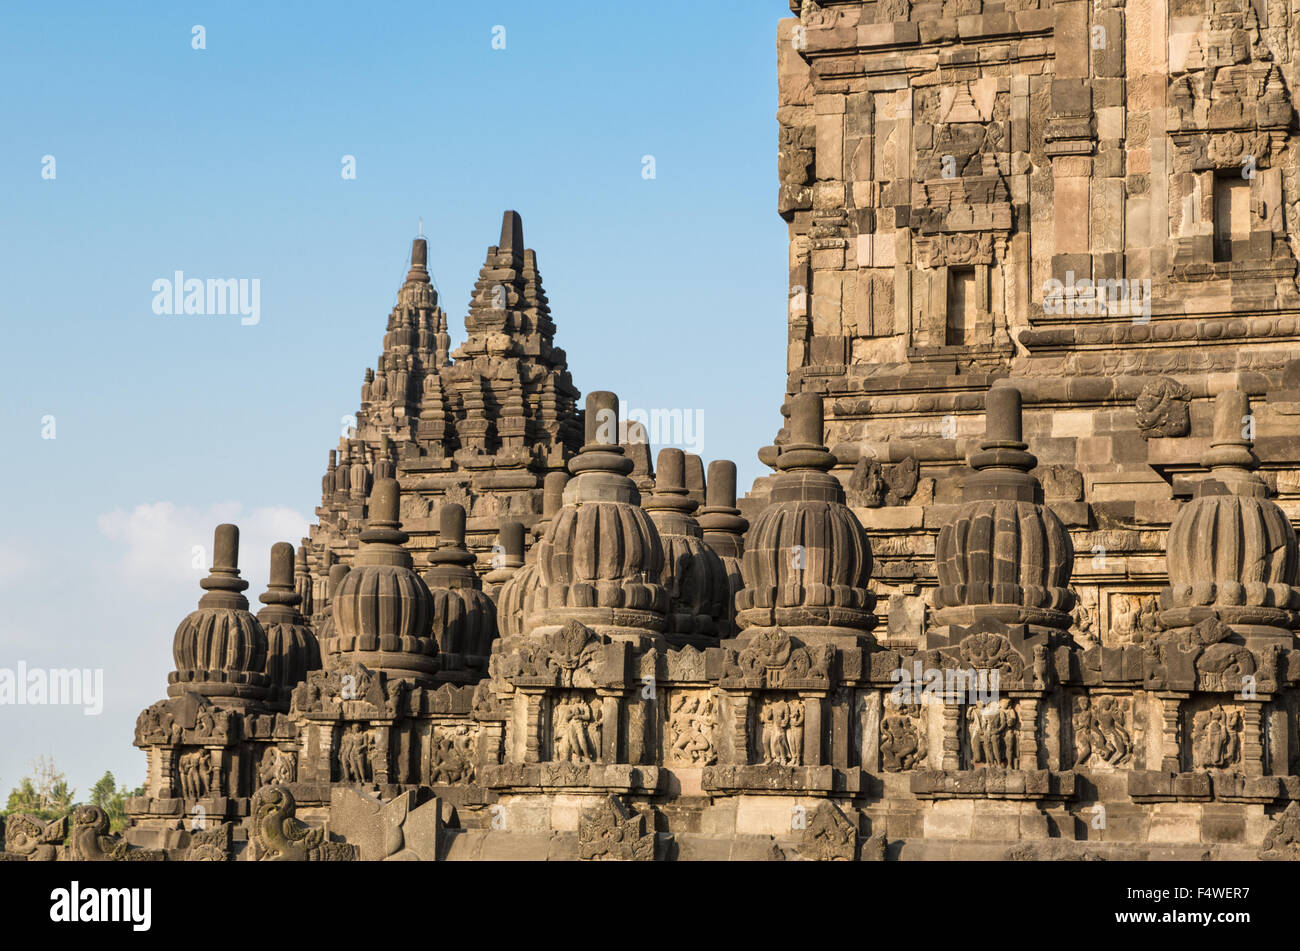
<point>45,793</point>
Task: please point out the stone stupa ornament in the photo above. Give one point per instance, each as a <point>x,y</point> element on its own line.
<point>382,608</point>
<point>291,647</point>
<point>324,623</point>
<point>515,597</point>
<point>507,557</point>
<point>220,648</point>
<point>698,589</point>
<point>724,530</point>
<point>1005,558</point>
<point>807,559</point>
<point>1231,551</point>
<point>601,559</point>
<point>464,618</point>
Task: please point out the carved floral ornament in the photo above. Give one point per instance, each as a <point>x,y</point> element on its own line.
<point>948,250</point>
<point>569,657</point>
<point>772,660</point>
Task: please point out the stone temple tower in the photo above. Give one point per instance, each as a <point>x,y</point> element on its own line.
<point>479,427</point>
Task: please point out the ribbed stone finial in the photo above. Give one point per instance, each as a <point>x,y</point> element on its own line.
<point>807,559</point>
<point>807,419</point>
<point>695,477</point>
<point>721,491</point>
<point>382,609</point>
<point>805,450</point>
<point>511,538</point>
<point>451,524</point>
<point>553,493</point>
<point>670,471</point>
<point>291,648</point>
<point>1002,418</point>
<point>451,548</point>
<point>1002,463</point>
<point>225,549</point>
<point>385,498</point>
<point>338,571</point>
<point>1230,447</point>
<point>224,576</point>
<point>602,419</point>
<point>281,583</point>
<point>220,649</point>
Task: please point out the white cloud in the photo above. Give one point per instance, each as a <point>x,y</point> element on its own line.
<point>12,563</point>
<point>160,541</point>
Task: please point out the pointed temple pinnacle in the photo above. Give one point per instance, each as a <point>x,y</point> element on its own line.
<point>419,262</point>
<point>512,232</point>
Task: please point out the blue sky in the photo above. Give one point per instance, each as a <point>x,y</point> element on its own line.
<point>225,162</point>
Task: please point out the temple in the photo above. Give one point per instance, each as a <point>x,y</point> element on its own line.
<point>1023,581</point>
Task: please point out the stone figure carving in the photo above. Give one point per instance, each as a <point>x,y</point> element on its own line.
<point>453,755</point>
<point>356,750</point>
<point>90,841</point>
<point>33,838</point>
<point>211,845</point>
<point>156,725</point>
<point>198,775</point>
<point>577,726</point>
<point>781,737</point>
<point>276,834</point>
<point>691,724</point>
<point>1283,839</point>
<point>1162,408</point>
<point>612,831</point>
<point>829,836</point>
<point>993,734</point>
<point>867,484</point>
<point>903,743</point>
<point>1216,738</point>
<point>276,766</point>
<point>1101,731</point>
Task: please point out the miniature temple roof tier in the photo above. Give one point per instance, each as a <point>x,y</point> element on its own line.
<point>1006,556</point>
<point>601,559</point>
<point>698,590</point>
<point>1231,551</point>
<point>383,610</point>
<point>807,559</point>
<point>724,530</point>
<point>291,647</point>
<point>220,648</point>
<point>464,618</point>
<point>482,430</point>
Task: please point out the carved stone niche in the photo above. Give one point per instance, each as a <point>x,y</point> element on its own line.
<point>904,740</point>
<point>577,727</point>
<point>992,735</point>
<point>1214,735</point>
<point>691,723</point>
<point>1104,730</point>
<point>1132,617</point>
<point>777,732</point>
<point>453,753</point>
